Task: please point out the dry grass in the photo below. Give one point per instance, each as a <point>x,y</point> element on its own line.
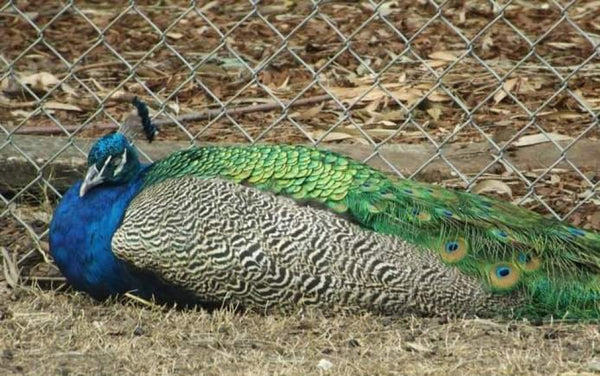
<point>47,332</point>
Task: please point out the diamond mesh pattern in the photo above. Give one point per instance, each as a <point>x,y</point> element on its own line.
<point>394,72</point>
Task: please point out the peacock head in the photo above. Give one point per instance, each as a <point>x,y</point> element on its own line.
<point>113,159</point>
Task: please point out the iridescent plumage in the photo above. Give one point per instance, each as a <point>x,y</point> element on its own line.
<point>524,264</point>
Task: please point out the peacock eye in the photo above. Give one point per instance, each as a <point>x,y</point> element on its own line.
<point>502,271</point>
<point>116,161</point>
<point>524,258</point>
<point>504,276</point>
<point>451,246</point>
<point>528,262</point>
<point>454,250</point>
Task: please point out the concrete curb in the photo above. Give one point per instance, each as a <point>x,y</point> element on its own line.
<point>21,154</point>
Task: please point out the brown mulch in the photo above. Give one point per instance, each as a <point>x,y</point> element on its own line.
<point>224,78</point>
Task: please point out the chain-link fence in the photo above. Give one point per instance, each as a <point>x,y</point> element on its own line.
<point>461,92</point>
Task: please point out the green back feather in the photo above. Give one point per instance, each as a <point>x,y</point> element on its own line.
<point>553,268</point>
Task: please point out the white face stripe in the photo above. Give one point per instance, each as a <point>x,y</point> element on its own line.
<point>104,165</point>
<point>121,164</point>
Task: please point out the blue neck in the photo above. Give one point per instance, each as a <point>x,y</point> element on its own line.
<point>80,242</point>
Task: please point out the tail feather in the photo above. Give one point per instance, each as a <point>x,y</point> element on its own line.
<point>512,249</point>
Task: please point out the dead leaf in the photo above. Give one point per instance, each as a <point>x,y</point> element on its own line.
<point>500,111</point>
<point>487,43</point>
<point>561,115</point>
<point>284,84</point>
<point>508,86</point>
<point>526,87</point>
<point>174,107</point>
<point>408,96</point>
<point>443,55</point>
<point>41,82</point>
<point>20,113</point>
<point>68,89</point>
<point>562,45</point>
<point>311,113</point>
<point>174,35</point>
<point>437,96</point>
<point>363,69</point>
<point>372,107</point>
<point>387,123</point>
<point>401,93</point>
<point>208,6</point>
<point>435,112</point>
<point>381,132</point>
<point>583,99</point>
<point>441,58</point>
<point>462,16</point>
<point>437,63</point>
<point>394,115</point>
<point>388,8</point>
<point>497,187</point>
<point>61,106</point>
<point>354,92</point>
<point>32,15</point>
<point>539,138</point>
<point>331,136</point>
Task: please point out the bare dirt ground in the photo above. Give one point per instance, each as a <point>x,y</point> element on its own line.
<point>46,328</point>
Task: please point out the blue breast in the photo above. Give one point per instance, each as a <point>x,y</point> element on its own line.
<point>80,243</point>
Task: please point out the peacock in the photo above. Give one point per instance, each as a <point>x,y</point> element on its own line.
<point>280,227</point>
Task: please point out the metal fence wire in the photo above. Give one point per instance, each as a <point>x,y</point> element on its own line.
<point>428,77</point>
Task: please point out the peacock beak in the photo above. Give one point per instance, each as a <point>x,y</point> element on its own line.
<point>92,179</point>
